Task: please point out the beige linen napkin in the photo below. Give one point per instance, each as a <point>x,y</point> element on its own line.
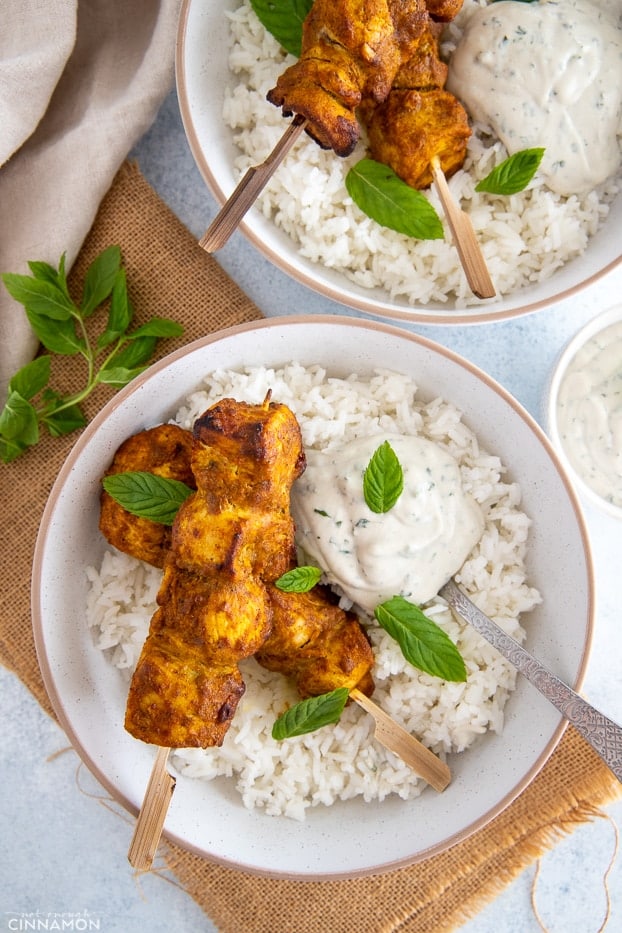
<point>80,82</point>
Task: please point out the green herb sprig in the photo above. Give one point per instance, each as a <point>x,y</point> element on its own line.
<point>116,357</point>
<point>311,714</point>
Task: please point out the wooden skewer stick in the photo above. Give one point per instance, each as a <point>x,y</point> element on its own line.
<point>256,178</point>
<point>406,746</point>
<point>150,822</point>
<point>249,189</point>
<point>146,838</point>
<point>464,237</point>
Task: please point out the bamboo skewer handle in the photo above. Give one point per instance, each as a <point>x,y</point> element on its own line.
<point>406,746</point>
<point>464,237</point>
<point>146,838</point>
<point>248,190</point>
<point>159,792</point>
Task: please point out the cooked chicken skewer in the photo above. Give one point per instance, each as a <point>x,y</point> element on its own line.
<point>351,50</point>
<point>311,640</point>
<point>377,62</point>
<point>358,56</point>
<point>229,539</point>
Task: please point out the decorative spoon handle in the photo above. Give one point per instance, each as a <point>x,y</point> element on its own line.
<point>604,735</point>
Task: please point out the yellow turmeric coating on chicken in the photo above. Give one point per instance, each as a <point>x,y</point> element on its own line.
<point>213,608</point>
<point>217,601</point>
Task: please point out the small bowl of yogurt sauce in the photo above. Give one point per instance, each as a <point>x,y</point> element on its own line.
<point>584,414</point>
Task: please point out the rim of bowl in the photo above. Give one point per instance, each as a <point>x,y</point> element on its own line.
<point>596,325</point>
<point>95,425</point>
<point>345,296</point>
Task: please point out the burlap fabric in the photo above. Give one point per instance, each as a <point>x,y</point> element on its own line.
<point>169,275</point>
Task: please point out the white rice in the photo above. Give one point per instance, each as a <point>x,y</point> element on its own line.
<point>343,761</point>
<point>524,238</point>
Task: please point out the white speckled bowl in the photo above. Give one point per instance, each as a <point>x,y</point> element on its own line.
<point>349,838</point>
<point>202,73</point>
<point>595,326</point>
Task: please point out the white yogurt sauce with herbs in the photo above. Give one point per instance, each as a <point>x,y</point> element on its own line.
<point>589,413</point>
<point>546,74</point>
<point>411,550</point>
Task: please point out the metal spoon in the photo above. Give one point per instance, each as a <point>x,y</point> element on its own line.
<point>604,735</point>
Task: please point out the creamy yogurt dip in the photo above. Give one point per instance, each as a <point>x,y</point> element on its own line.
<point>547,75</point>
<point>589,413</point>
<point>411,550</point>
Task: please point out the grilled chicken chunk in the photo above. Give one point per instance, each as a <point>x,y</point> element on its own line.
<point>316,643</point>
<point>418,120</point>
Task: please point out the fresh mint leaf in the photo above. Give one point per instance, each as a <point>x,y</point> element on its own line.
<point>136,352</point>
<point>311,714</point>
<point>299,580</point>
<point>383,479</point>
<point>157,327</point>
<point>18,420</point>
<point>283,19</point>
<point>31,378</point>
<point>120,313</point>
<point>424,644</point>
<point>59,418</point>
<point>119,376</point>
<point>57,336</point>
<point>147,495</point>
<point>40,296</point>
<point>10,450</point>
<point>391,202</point>
<point>99,280</point>
<point>513,174</point>
<point>47,273</point>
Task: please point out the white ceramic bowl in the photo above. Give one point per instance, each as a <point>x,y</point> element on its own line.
<point>595,326</point>
<point>202,74</point>
<point>349,838</point>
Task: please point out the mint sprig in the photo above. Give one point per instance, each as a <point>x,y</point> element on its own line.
<point>147,495</point>
<point>388,200</point>
<point>59,322</point>
<point>424,644</point>
<point>513,174</point>
<point>311,714</point>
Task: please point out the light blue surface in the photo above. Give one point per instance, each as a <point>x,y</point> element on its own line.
<point>64,851</point>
